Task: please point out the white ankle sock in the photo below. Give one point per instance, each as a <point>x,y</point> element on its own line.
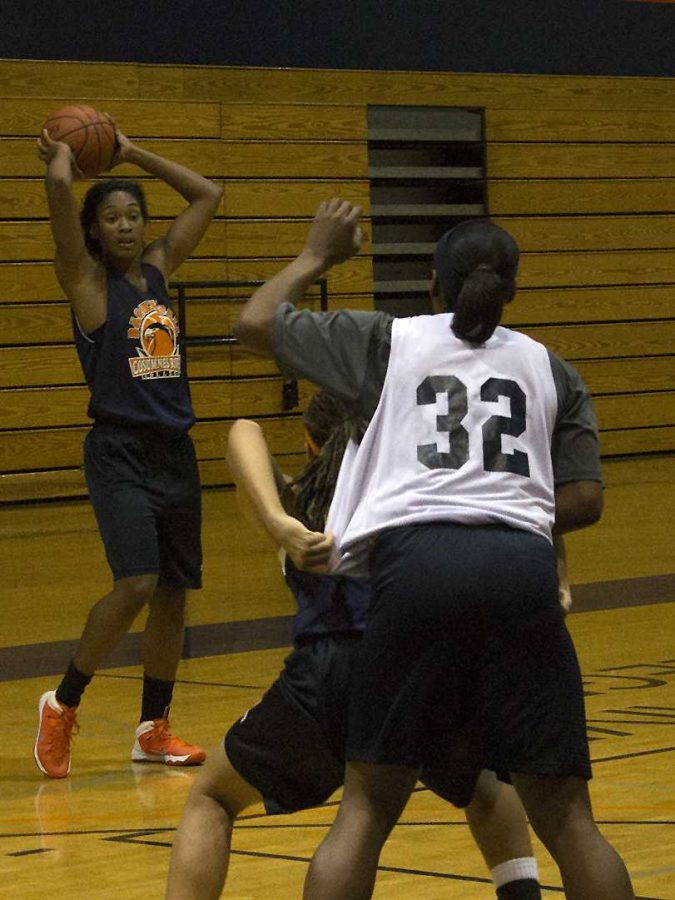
<point>515,870</point>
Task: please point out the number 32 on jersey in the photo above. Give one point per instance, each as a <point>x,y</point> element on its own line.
<point>494,459</point>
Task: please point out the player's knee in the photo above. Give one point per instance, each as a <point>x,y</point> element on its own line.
<point>136,591</point>
<point>220,782</point>
<point>558,808</point>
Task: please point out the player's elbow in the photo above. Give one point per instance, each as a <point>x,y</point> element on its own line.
<point>579,504</point>
<point>213,195</point>
<point>241,430</point>
<point>253,331</point>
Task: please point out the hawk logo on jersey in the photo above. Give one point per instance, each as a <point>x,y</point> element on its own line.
<point>156,330</point>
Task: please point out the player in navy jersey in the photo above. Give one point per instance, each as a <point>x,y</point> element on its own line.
<point>140,463</point>
<point>475,445</point>
<point>287,752</point>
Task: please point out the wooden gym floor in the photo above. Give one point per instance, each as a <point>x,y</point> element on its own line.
<point>106,831</point>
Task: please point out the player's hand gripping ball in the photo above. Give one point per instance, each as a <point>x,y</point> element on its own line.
<point>90,134</point>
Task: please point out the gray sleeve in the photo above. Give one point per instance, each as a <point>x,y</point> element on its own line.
<point>575,447</point>
<point>346,352</point>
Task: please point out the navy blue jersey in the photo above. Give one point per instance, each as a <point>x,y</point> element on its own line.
<point>132,363</point>
<point>327,604</point>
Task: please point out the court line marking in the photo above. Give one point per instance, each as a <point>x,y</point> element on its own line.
<point>246,687</point>
<point>401,870</point>
<point>136,837</point>
<point>633,755</point>
<point>116,832</point>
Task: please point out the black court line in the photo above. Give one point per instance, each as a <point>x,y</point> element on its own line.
<point>602,759</point>
<point>126,834</point>
<point>30,852</point>
<point>139,837</point>
<point>225,684</point>
<point>445,824</point>
<point>84,832</point>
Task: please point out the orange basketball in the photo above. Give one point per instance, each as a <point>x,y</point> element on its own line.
<point>89,133</point>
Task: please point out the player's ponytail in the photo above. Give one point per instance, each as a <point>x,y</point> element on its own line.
<point>476,265</point>
<point>479,305</point>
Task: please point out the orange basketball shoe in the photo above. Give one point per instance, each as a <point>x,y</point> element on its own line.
<point>55,730</point>
<point>156,744</point>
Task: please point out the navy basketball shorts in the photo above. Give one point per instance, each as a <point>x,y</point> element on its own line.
<point>290,746</point>
<point>145,491</point>
<point>466,650</point>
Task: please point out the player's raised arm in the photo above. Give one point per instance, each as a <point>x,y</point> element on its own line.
<point>75,268</point>
<point>187,230</point>
<point>334,236</point>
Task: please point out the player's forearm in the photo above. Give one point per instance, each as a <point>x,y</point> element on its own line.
<point>251,466</point>
<point>64,216</point>
<point>254,325</point>
<point>187,183</point>
<point>59,173</point>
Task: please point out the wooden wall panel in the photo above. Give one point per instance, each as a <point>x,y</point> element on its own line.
<point>260,85</point>
<point>596,125</point>
<point>49,323</point>
<point>49,409</point>
<point>614,376</point>
<point>69,482</point>
<point>53,407</point>
<point>35,78</point>
<point>586,233</point>
<point>603,304</point>
<point>634,441</point>
<point>286,198</point>
<point>636,410</point>
<point>137,118</point>
<point>268,159</point>
<point>22,241</point>
<point>579,169</point>
<point>623,354</point>
<point>289,121</point>
<point>582,268</point>
<point>269,237</point>
<point>24,198</point>
<point>35,323</point>
<point>576,160</point>
<point>52,448</point>
<point>583,195</point>
<point>352,277</point>
<point>575,342</point>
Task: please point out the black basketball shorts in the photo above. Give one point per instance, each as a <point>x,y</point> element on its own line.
<point>146,496</point>
<point>290,746</point>
<point>467,649</point>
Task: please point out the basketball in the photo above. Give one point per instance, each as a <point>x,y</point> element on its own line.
<point>89,133</point>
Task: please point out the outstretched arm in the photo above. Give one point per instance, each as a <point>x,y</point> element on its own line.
<point>333,237</point>
<point>252,467</point>
<point>187,230</point>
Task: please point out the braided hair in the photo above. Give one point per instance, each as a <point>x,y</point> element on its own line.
<point>328,428</point>
<point>476,263</point>
<point>95,197</point>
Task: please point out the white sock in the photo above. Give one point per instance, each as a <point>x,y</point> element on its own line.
<point>515,870</point>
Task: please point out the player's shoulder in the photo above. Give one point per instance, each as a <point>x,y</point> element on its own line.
<point>564,374</point>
